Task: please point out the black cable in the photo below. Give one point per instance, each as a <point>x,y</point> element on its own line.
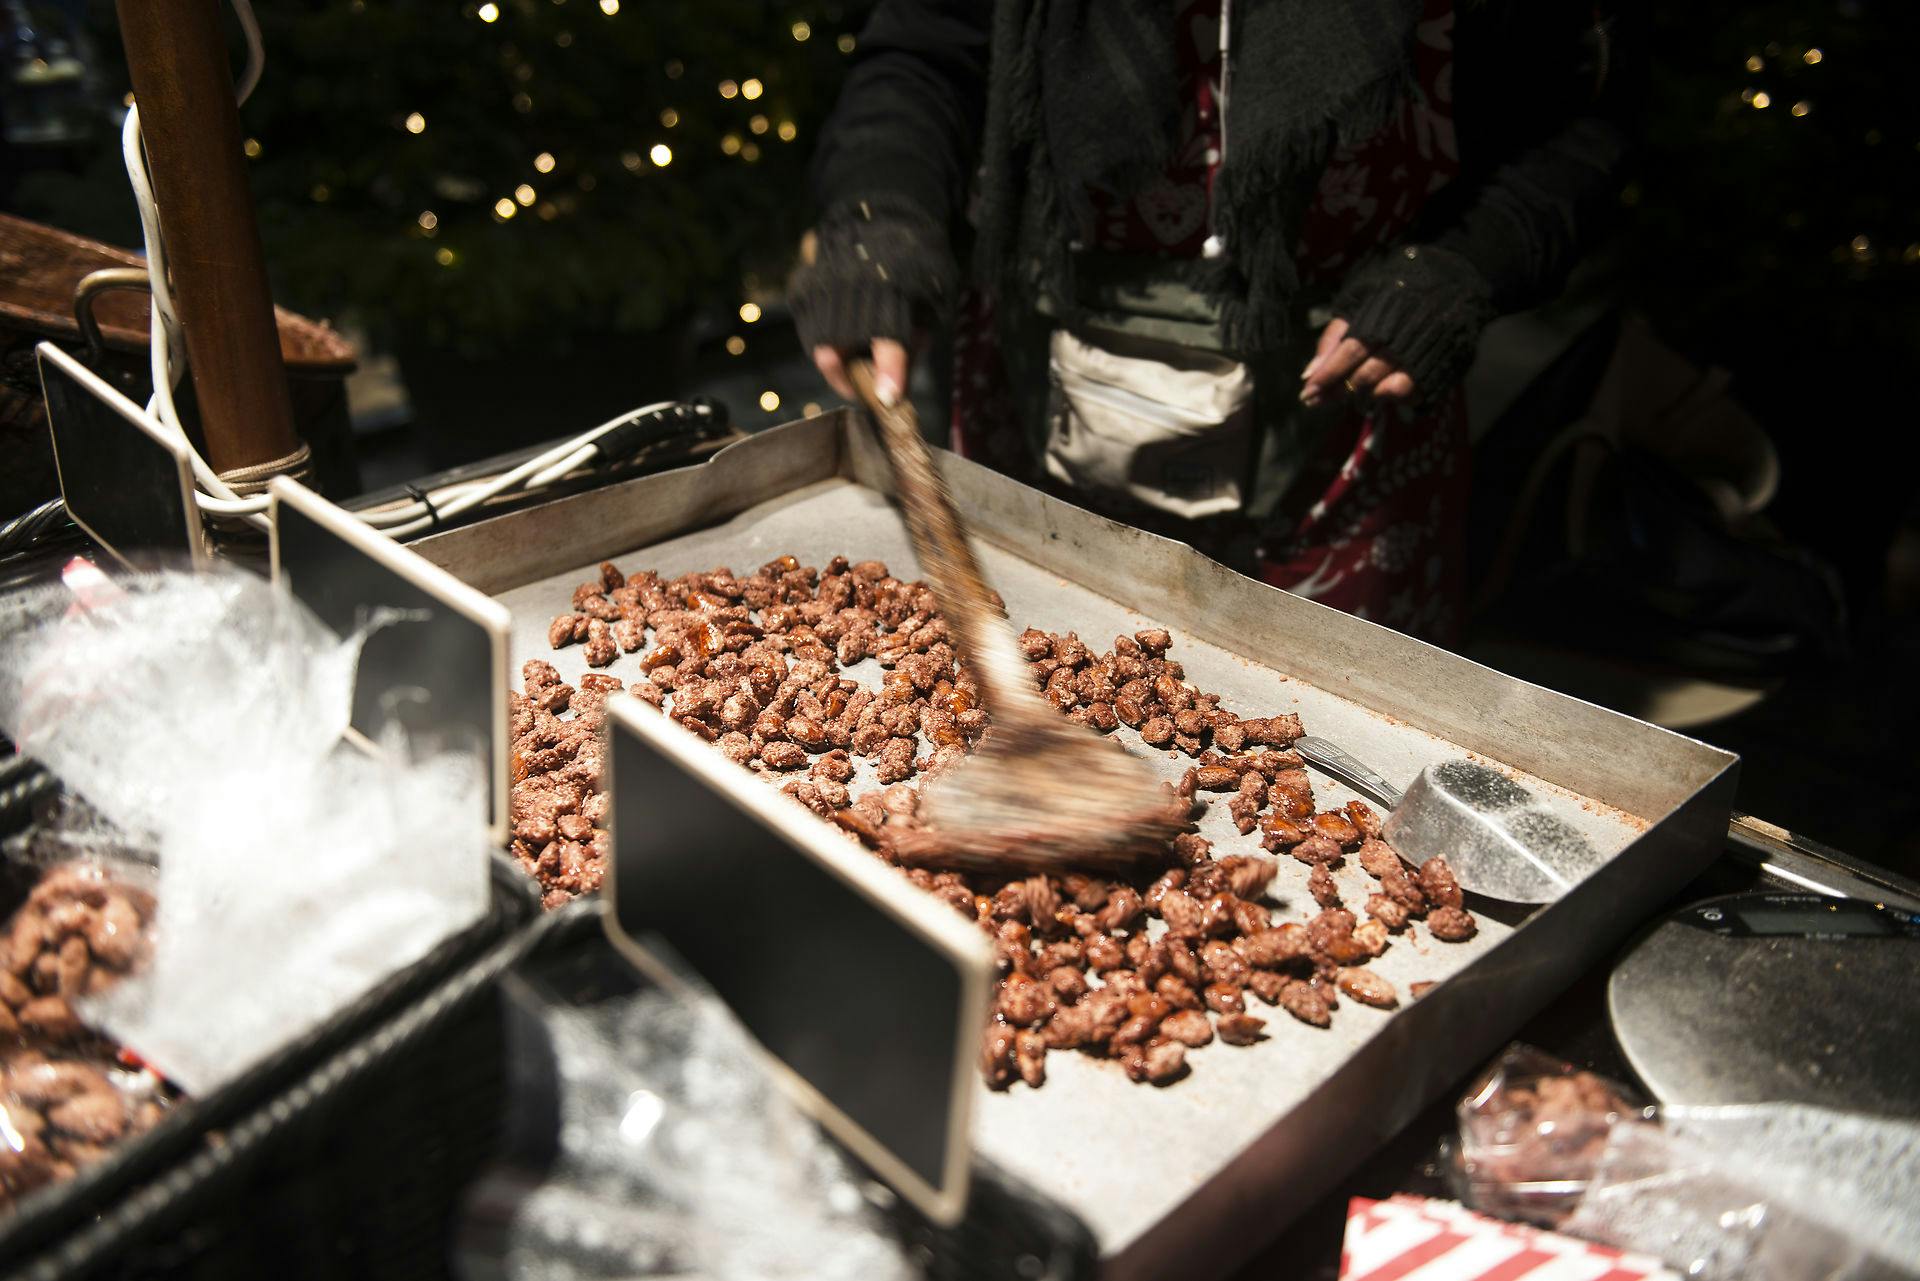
<point>696,418</point>
<point>425,499</point>
<point>31,525</point>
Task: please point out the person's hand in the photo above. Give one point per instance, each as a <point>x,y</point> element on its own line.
<point>1346,366</point>
<point>890,367</point>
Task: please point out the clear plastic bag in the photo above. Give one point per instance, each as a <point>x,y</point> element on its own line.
<point>1532,1130</point>
<point>201,715</point>
<point>67,1097</point>
<point>1763,1192</point>
<point>63,1109</point>
<point>676,1153</point>
<point>1759,1192</point>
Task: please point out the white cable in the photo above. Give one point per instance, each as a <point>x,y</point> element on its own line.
<point>164,336</point>
<point>167,365</point>
<point>256,51</point>
<point>163,331</point>
<point>132,151</point>
<point>524,472</point>
<point>578,458</point>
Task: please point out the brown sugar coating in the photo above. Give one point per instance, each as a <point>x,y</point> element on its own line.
<point>777,669</point>
<point>67,1095</point>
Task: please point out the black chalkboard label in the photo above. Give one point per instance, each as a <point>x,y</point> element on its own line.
<point>868,995</point>
<point>125,479</point>
<point>434,658</point>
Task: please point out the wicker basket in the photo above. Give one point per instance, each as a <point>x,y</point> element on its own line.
<point>232,1176</point>
<point>40,267</point>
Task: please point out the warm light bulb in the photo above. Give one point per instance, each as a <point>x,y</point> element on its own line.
<point>728,89</point>
<point>428,220</point>
<point>503,208</point>
<point>811,409</point>
<point>1754,63</point>
<point>759,124</point>
<point>731,144</point>
<point>543,162</point>
<point>661,154</point>
<point>1812,57</point>
<point>749,311</point>
<point>787,131</point>
<point>669,118</point>
<point>769,400</point>
<point>444,256</point>
<point>523,193</point>
<point>416,123</point>
<point>736,345</point>
<point>252,147</point>
<point>489,11</point>
<point>751,89</point>
<point>1761,101</point>
<point>801,31</point>
<point>609,7</point>
<point>1801,108</point>
<point>845,43</point>
<point>630,159</point>
<point>750,152</point>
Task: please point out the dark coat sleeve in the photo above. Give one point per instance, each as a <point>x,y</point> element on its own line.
<point>1546,104</point>
<point>892,171</point>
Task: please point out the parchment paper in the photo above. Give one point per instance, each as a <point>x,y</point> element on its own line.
<point>1121,1155</point>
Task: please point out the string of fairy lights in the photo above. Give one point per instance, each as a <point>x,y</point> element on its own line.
<point>1781,63</point>
<point>743,144</point>
<point>550,186</point>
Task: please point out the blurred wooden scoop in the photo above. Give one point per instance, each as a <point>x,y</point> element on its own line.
<point>1041,793</point>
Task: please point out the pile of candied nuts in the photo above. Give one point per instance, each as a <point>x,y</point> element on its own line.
<point>759,666</point>
<point>66,1095</point>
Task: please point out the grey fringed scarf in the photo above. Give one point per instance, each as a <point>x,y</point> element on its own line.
<point>1085,93</point>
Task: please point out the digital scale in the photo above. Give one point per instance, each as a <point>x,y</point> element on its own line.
<point>1761,998</point>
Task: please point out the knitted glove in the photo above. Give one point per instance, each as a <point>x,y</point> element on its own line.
<point>1425,307</point>
<point>876,270</point>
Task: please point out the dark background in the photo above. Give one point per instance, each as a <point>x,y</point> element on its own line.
<point>521,266</point>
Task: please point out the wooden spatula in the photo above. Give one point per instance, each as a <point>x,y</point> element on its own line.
<point>1041,793</point>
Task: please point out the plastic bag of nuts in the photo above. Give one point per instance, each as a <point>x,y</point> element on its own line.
<point>1532,1131</point>
<point>63,1110</point>
<point>66,1095</point>
<point>79,931</point>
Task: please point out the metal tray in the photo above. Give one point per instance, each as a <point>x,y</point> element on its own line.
<point>1191,1178</point>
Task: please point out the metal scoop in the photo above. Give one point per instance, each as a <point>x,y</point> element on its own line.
<point>1499,840</point>
<point>1041,792</point>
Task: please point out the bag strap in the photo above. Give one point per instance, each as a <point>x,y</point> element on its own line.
<point>1216,244</point>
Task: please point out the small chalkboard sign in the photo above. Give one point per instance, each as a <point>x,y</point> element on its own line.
<point>434,658</point>
<point>126,479</point>
<point>868,995</point>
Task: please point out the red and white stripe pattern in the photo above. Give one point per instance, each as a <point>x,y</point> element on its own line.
<point>1410,1238</point>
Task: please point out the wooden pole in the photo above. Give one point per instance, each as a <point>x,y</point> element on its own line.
<point>183,83</point>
